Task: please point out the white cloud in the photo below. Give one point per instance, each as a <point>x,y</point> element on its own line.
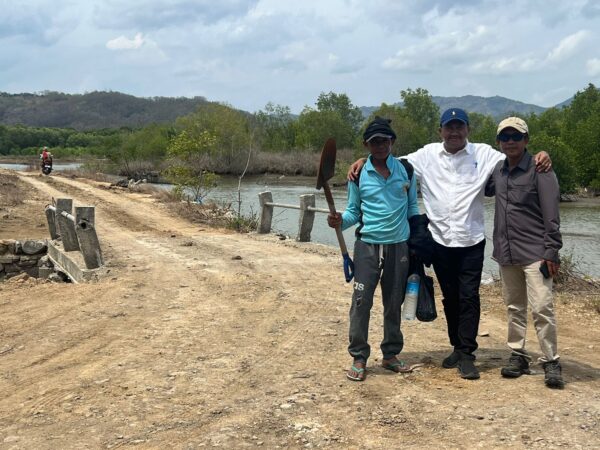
<point>249,52</point>
<point>122,43</point>
<point>593,67</point>
<point>501,65</point>
<point>567,46</point>
<point>454,47</point>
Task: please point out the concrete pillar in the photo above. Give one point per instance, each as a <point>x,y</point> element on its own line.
<point>51,218</point>
<point>307,217</point>
<point>66,224</point>
<point>266,212</point>
<point>87,237</point>
<point>62,204</point>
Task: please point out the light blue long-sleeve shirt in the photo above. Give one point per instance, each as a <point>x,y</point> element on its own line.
<point>383,206</point>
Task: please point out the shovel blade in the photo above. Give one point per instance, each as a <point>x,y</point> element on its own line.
<point>327,163</point>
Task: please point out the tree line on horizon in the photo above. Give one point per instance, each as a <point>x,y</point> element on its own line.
<point>217,138</point>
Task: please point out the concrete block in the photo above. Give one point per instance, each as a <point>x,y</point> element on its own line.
<point>307,217</point>
<point>71,263</point>
<point>266,212</point>
<point>3,247</point>
<point>44,261</point>
<point>27,261</point>
<point>31,247</point>
<point>87,237</point>
<point>45,272</point>
<point>9,258</point>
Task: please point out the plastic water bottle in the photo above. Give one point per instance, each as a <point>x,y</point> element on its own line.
<point>409,308</point>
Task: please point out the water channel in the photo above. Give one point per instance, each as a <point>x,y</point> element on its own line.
<point>580,221</point>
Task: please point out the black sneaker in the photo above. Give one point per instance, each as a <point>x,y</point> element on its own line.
<point>553,378</point>
<point>517,366</point>
<point>466,367</point>
<point>451,360</point>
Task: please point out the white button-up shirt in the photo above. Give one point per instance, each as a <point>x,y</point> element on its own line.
<point>452,186</point>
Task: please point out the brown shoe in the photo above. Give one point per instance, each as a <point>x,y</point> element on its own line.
<point>396,365</point>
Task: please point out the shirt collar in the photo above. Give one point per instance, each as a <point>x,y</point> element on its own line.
<point>467,148</point>
<point>523,164</point>
<point>388,162</point>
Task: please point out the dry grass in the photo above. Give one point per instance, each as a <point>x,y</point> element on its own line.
<point>88,174</point>
<point>206,214</point>
<point>588,301</point>
<point>286,163</point>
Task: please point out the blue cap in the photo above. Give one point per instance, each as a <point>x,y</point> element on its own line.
<point>454,114</point>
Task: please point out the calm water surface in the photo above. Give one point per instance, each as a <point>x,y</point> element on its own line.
<point>56,167</point>
<point>580,221</point>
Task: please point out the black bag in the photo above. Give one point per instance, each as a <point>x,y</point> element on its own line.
<point>426,303</point>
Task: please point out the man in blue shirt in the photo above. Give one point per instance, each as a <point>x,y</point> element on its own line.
<point>381,202</point>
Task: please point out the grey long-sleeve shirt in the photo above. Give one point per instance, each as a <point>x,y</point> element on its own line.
<point>526,220</point>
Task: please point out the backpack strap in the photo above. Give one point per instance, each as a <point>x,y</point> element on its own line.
<point>410,170</point>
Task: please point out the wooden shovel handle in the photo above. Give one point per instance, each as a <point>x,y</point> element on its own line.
<point>338,230</point>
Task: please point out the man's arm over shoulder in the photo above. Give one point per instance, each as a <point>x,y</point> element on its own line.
<point>488,157</point>
<point>419,159</point>
<point>549,195</point>
<point>490,187</point>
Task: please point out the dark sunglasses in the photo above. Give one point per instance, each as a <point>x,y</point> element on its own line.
<point>516,137</point>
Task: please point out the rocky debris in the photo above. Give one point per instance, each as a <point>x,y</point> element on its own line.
<point>32,247</point>
<point>21,260</point>
<point>21,257</point>
<point>128,183</point>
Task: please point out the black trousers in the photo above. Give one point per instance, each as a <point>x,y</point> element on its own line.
<point>458,270</point>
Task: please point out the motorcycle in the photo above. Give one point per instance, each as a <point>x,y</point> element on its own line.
<point>46,167</point>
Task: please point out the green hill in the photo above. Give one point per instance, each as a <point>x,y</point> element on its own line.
<point>97,110</point>
<point>94,110</point>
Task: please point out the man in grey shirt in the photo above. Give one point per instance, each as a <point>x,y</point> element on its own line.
<point>526,244</point>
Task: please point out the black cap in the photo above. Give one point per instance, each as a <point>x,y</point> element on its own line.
<point>379,127</point>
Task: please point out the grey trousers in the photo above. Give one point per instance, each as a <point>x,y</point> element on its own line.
<point>373,263</point>
<point>523,285</point>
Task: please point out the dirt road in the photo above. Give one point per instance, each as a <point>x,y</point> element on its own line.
<point>202,338</point>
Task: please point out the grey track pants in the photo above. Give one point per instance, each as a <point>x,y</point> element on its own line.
<point>373,263</point>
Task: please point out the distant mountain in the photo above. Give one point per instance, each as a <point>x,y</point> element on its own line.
<point>97,110</point>
<point>497,107</point>
<point>94,110</point>
<point>567,102</point>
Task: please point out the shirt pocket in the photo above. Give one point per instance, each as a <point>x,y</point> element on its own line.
<point>522,192</point>
<point>467,173</point>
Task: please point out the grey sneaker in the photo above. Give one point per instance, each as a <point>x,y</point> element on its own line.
<point>451,360</point>
<point>466,367</point>
<point>553,377</point>
<point>517,366</point>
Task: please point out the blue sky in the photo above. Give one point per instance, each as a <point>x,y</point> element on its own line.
<point>250,52</point>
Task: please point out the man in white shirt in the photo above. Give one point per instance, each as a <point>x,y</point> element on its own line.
<point>453,174</point>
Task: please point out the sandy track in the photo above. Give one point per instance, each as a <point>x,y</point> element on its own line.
<point>198,337</point>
